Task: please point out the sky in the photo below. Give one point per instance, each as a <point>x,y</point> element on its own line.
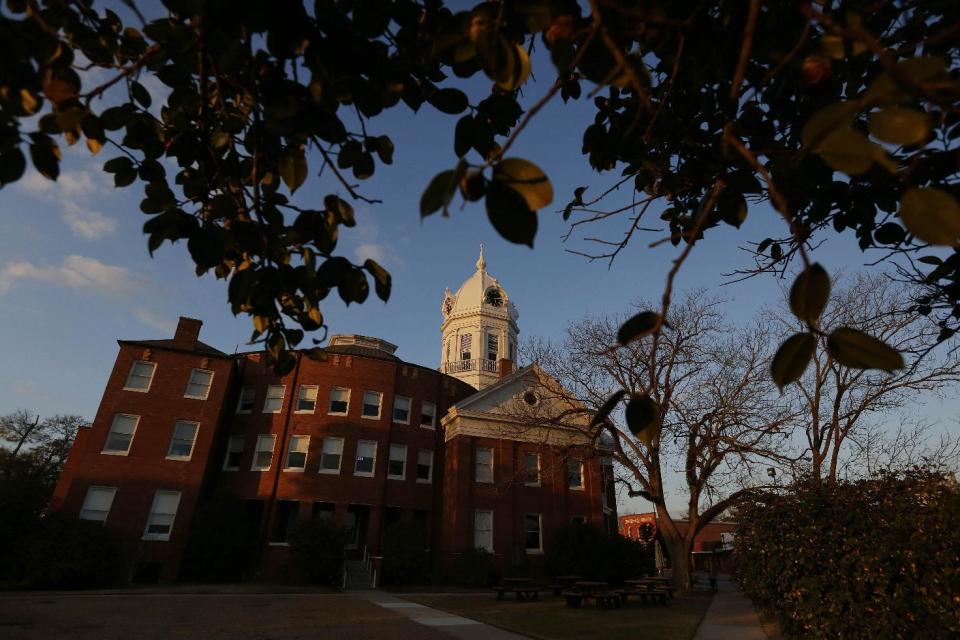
<point>75,274</point>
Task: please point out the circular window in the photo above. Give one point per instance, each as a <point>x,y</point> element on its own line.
<point>493,297</point>
<point>530,398</point>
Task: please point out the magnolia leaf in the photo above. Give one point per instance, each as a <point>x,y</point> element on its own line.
<point>608,406</point>
<point>825,121</point>
<point>900,125</point>
<point>858,350</point>
<point>261,323</point>
<point>792,358</point>
<point>527,179</point>
<point>933,215</point>
<point>643,417</point>
<point>509,214</point>
<point>847,150</point>
<point>884,90</point>
<point>383,281</point>
<point>449,100</point>
<point>293,167</point>
<point>644,323</point>
<point>439,192</point>
<point>12,165</point>
<point>514,74</point>
<point>832,46</point>
<point>810,293</point>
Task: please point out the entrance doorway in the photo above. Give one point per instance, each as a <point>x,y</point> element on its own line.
<point>358,515</point>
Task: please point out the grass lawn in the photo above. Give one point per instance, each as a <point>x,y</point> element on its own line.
<point>551,619</point>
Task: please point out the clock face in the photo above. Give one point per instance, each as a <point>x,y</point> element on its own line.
<point>494,298</point>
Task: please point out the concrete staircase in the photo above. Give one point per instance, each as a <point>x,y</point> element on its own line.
<point>358,576</point>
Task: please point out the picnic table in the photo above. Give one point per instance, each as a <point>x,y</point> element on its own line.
<point>563,582</point>
<point>647,588</point>
<point>585,590</point>
<point>522,588</point>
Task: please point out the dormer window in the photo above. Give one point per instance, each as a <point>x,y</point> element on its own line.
<point>493,297</point>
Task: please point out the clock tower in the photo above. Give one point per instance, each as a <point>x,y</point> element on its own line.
<point>479,329</point>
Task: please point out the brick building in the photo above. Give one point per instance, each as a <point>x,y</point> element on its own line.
<point>715,538</point>
<point>363,438</point>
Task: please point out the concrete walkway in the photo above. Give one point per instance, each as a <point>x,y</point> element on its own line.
<point>731,616</point>
<point>454,625</point>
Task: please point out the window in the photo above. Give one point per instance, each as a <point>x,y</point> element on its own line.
<point>397,463</point>
<point>534,542</point>
<point>424,465</point>
<point>247,396</point>
<point>366,458</point>
<point>234,452</point>
<point>574,473</point>
<point>401,410</point>
<point>274,401</point>
<point>263,455</point>
<point>297,453</point>
<point>332,453</point>
<point>466,342</point>
<point>140,376</point>
<point>121,434</point>
<point>339,401</point>
<point>96,505</point>
<point>283,521</point>
<point>371,404</point>
<point>181,445</point>
<point>484,464</point>
<point>307,399</point>
<point>531,469</point>
<point>428,415</point>
<point>513,352</point>
<point>199,385</point>
<point>324,511</point>
<point>483,530</point>
<point>493,346</point>
<point>162,514</point>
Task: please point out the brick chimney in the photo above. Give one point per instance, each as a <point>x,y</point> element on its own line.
<point>188,331</point>
<point>506,367</point>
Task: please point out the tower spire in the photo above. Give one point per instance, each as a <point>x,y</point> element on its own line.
<point>481,263</point>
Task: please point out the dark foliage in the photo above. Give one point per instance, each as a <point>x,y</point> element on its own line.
<point>474,568</point>
<point>875,558</point>
<point>585,550</point>
<point>316,549</point>
<point>405,555</point>
<point>222,542</point>
<point>67,553</point>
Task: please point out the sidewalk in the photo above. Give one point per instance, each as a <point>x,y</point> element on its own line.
<point>730,617</point>
<point>454,625</point>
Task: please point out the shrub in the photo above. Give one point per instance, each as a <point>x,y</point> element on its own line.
<point>222,541</point>
<point>475,568</point>
<point>585,550</point>
<point>316,549</point>
<point>405,556</point>
<point>875,558</point>
<point>67,553</point>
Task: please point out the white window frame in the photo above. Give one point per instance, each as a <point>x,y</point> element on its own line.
<point>162,537</point>
<point>390,458</point>
<point>316,393</point>
<point>363,403</point>
<point>226,459</point>
<point>536,482</point>
<point>539,549</point>
<point>117,452</point>
<point>489,532</point>
<point>477,467</point>
<point>86,500</point>
<point>583,483</point>
<point>190,381</point>
<point>290,449</point>
<point>330,411</point>
<point>323,452</point>
<point>153,370</point>
<point>281,398</point>
<point>193,443</point>
<point>409,409</point>
<point>373,467</point>
<point>429,479</point>
<point>253,399</point>
<point>273,451</point>
<point>433,417</point>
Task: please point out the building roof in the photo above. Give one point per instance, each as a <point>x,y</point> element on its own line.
<point>471,295</point>
<point>361,350</point>
<point>199,347</point>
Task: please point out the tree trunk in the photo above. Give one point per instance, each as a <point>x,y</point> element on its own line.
<point>678,549</point>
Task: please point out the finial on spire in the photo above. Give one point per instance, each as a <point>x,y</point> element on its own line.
<point>481,263</point>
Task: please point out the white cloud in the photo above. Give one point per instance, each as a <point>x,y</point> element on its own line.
<point>375,252</point>
<point>69,184</point>
<point>69,189</point>
<point>151,319</point>
<point>76,272</point>
<point>90,225</point>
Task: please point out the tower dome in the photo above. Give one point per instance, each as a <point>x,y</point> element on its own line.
<point>479,328</point>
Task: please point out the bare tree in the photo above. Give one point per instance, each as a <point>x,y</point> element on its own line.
<point>721,416</point>
<point>40,445</point>
<point>846,410</point>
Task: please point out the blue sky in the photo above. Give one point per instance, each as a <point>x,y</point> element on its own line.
<point>75,274</point>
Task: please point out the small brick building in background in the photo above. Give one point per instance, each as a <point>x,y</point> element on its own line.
<point>716,538</point>
<point>362,438</point>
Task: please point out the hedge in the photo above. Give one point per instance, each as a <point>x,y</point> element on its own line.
<point>873,558</point>
<point>585,550</point>
<point>67,553</point>
<point>316,549</point>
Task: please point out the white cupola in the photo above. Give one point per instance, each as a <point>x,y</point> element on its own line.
<point>479,329</point>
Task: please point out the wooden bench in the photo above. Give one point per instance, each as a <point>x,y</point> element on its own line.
<point>522,593</point>
<point>556,588</point>
<point>648,595</point>
<point>603,599</point>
